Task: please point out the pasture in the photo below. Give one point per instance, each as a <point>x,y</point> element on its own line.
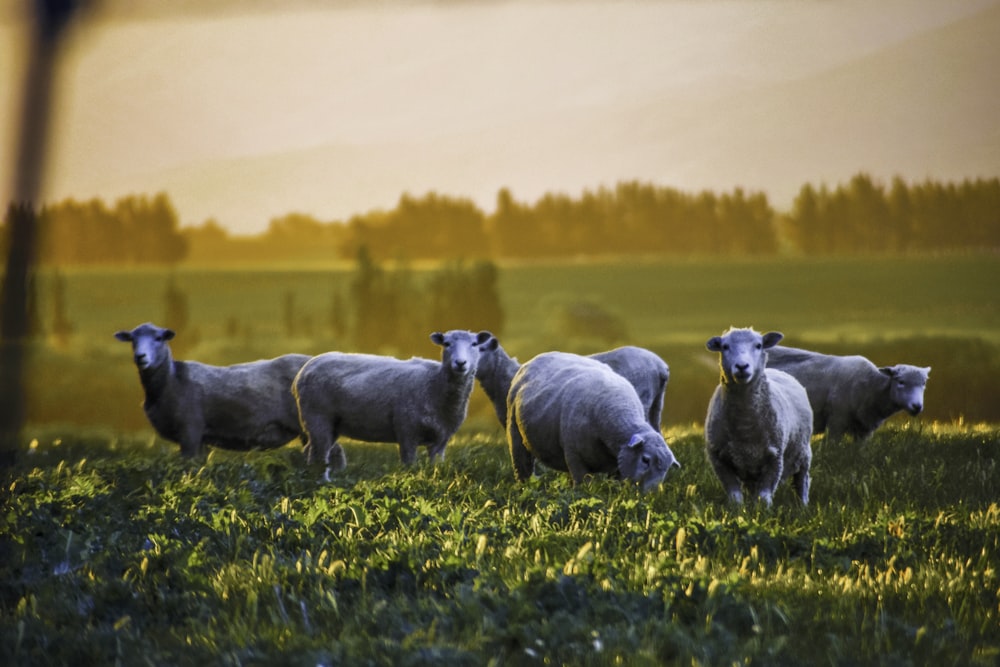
<point>116,551</point>
<point>939,311</point>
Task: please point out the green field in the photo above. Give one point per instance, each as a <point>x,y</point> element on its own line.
<point>116,551</point>
<point>942,312</point>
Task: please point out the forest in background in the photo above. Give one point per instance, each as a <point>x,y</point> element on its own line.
<point>863,216</point>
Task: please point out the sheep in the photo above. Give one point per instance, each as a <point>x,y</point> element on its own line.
<point>382,399</point>
<point>239,407</point>
<point>645,370</point>
<point>849,394</point>
<point>575,414</point>
<point>759,421</point>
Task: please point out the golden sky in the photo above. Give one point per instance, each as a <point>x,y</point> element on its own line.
<point>333,109</point>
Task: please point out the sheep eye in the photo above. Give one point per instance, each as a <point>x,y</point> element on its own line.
<point>725,347</point>
<point>645,459</point>
<point>759,346</point>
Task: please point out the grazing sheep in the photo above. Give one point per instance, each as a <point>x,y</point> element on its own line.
<point>576,414</point>
<point>759,420</point>
<point>849,394</point>
<point>382,399</point>
<point>234,407</point>
<point>646,371</point>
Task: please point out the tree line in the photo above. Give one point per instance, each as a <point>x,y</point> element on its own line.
<point>861,216</point>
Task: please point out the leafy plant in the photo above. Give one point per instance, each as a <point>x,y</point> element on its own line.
<point>117,550</point>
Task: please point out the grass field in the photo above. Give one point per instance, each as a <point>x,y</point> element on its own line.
<point>942,312</point>
<point>116,551</point>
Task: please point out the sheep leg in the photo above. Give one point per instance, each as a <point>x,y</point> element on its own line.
<point>656,412</point>
<point>317,434</point>
<point>190,439</point>
<point>436,450</point>
<point>730,480</point>
<point>336,459</point>
<point>768,484</point>
<point>801,481</point>
<point>408,451</point>
<point>520,457</point>
<point>577,471</point>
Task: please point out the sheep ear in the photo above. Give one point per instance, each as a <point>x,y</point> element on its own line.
<point>124,336</point>
<point>887,370</point>
<point>483,337</point>
<point>927,371</point>
<point>437,338</point>
<point>168,334</point>
<point>487,342</point>
<point>772,338</point>
<point>714,344</point>
<point>636,441</point>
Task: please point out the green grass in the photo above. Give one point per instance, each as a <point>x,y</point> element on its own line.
<point>926,310</point>
<point>116,550</point>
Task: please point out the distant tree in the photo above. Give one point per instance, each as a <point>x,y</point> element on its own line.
<point>513,229</point>
<point>176,316</point>
<point>62,328</point>
<point>461,297</point>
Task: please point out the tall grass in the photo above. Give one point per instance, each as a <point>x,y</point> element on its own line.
<point>118,551</point>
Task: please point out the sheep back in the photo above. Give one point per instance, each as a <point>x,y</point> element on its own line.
<point>243,406</point>
<point>647,373</point>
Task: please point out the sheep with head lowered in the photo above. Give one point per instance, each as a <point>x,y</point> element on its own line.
<point>243,406</point>
<point>759,421</point>
<point>575,414</point>
<point>383,399</point>
<point>647,373</point>
<point>850,396</point>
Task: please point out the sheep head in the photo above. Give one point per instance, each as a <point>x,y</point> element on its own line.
<point>906,386</point>
<point>462,349</point>
<point>742,353</point>
<point>645,459</point>
<point>149,344</point>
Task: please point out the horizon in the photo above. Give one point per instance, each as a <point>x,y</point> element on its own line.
<point>560,97</point>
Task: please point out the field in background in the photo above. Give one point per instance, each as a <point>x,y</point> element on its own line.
<point>117,551</point>
<point>938,311</point>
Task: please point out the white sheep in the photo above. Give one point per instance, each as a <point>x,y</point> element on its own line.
<point>759,421</point>
<point>849,394</point>
<point>575,414</point>
<point>647,373</point>
<point>240,407</point>
<point>382,399</point>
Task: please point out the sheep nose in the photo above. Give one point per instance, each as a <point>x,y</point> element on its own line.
<point>742,367</point>
<point>460,364</point>
<point>916,408</point>
<point>140,358</point>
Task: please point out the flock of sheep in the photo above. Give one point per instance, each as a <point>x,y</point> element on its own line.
<point>582,415</point>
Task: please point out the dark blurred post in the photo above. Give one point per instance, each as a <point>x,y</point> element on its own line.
<point>50,19</point>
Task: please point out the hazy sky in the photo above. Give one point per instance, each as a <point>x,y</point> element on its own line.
<point>337,108</point>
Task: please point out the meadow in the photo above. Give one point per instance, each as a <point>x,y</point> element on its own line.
<point>938,311</point>
<point>116,551</point>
